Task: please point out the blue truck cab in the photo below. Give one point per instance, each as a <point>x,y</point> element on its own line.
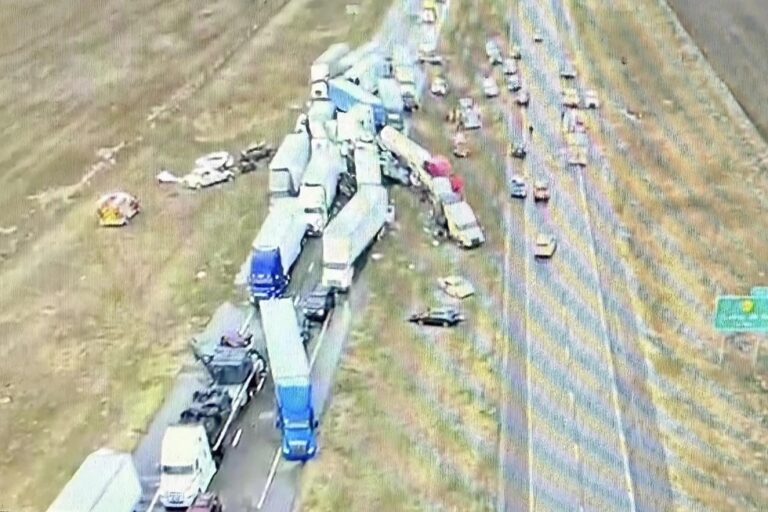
<point>345,95</point>
<point>288,362</point>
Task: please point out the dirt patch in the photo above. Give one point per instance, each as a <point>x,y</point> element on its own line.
<point>685,179</point>
<point>95,321</point>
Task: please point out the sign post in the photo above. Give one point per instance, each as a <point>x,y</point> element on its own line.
<point>741,313</point>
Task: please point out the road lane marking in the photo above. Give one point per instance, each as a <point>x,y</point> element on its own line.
<point>320,339</point>
<point>604,325</point>
<point>155,498</point>
<point>311,266</point>
<point>236,440</point>
<point>247,322</point>
<point>270,479</point>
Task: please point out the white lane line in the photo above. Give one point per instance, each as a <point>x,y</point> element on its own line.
<point>604,325</point>
<point>320,339</point>
<point>270,479</point>
<point>247,322</point>
<point>238,435</point>
<point>311,266</point>
<point>154,500</point>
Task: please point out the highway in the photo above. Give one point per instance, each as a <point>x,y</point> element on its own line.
<point>253,476</point>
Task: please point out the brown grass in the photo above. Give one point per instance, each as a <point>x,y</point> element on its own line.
<point>686,184</point>
<point>95,321</point>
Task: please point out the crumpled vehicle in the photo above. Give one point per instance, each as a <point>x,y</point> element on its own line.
<point>205,177</point>
<point>456,286</point>
<point>218,160</point>
<point>117,208</point>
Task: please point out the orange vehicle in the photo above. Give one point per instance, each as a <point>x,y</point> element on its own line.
<point>117,209</point>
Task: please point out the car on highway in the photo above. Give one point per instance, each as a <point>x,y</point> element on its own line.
<point>490,87</point>
<point>590,99</point>
<point>515,52</point>
<point>509,66</point>
<point>469,115</point>
<point>439,86</point>
<point>205,177</point>
<point>538,37</point>
<point>570,97</point>
<point>443,317</point>
<point>545,246</point>
<point>517,150</point>
<point>207,502</point>
<point>316,305</point>
<point>493,52</point>
<point>541,190</point>
<point>518,186</point>
<point>522,97</point>
<point>513,83</point>
<point>567,69</point>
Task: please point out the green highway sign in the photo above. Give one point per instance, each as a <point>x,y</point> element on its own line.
<point>741,313</point>
<point>759,291</point>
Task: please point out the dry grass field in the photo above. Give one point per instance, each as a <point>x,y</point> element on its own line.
<point>689,182</point>
<point>94,322</point>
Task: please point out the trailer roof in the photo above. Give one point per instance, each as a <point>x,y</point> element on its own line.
<point>356,91</point>
<point>87,485</point>
<point>356,210</point>
<point>294,150</point>
<point>278,221</point>
<point>324,157</point>
<point>285,348</point>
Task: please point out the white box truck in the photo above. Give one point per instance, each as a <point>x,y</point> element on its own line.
<point>462,224</point>
<point>328,65</point>
<point>367,163</point>
<point>319,186</point>
<point>350,233</point>
<point>106,481</point>
<point>287,166</point>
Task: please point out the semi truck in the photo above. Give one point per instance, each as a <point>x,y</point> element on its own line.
<point>276,249</point>
<point>191,448</point>
<point>352,125</point>
<point>106,481</point>
<point>287,166</point>
<point>345,95</point>
<point>405,74</point>
<point>319,114</point>
<point>328,65</point>
<point>356,55</point>
<point>295,414</point>
<point>367,71</point>
<point>392,99</point>
<point>319,186</point>
<point>367,163</point>
<point>350,233</point>
<point>410,154</point>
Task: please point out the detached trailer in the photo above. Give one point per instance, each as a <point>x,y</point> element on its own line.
<point>350,233</point>
<point>287,166</point>
<point>276,249</point>
<point>106,481</point>
<point>295,415</point>
<point>329,64</point>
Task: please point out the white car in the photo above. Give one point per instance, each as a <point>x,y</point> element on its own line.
<point>513,83</point>
<point>205,177</point>
<point>509,66</point>
<point>522,97</point>
<point>439,86</point>
<point>538,37</point>
<point>493,52</point>
<point>590,99</point>
<point>456,286</point>
<point>217,160</point>
<point>490,87</point>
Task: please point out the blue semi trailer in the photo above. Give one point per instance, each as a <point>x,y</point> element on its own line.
<point>276,249</point>
<point>345,95</point>
<point>295,414</point>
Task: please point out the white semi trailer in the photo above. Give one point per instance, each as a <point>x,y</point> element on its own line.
<point>319,186</point>
<point>328,65</point>
<point>287,166</point>
<point>106,481</point>
<point>350,233</point>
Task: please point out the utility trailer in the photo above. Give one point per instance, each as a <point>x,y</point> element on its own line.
<point>352,231</point>
<point>295,415</point>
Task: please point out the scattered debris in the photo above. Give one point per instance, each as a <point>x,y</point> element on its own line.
<point>376,256</point>
<point>117,208</point>
<point>8,231</point>
<point>456,286</point>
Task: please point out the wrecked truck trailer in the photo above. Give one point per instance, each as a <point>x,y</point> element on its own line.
<point>286,169</point>
<point>328,65</point>
<point>345,95</point>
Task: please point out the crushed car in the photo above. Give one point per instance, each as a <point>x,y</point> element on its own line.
<point>456,286</point>
<point>202,177</point>
<point>442,317</point>
<point>252,156</point>
<point>116,209</point>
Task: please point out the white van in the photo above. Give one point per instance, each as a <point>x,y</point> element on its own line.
<point>186,465</point>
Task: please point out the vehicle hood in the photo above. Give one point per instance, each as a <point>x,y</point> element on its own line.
<point>176,483</point>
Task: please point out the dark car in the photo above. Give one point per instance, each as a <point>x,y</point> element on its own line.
<point>444,317</point>
<point>207,502</point>
<point>318,303</point>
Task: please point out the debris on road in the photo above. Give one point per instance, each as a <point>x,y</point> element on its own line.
<point>456,286</point>
<point>117,208</point>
